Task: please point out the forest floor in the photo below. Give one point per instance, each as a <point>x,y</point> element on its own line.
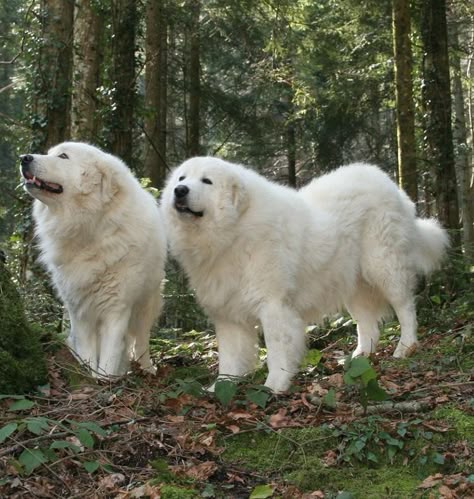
<point>164,436</point>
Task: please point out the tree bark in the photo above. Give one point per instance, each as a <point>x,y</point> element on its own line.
<point>463,151</point>
<point>54,74</point>
<point>124,22</point>
<point>156,89</point>
<point>194,80</point>
<point>436,97</point>
<point>88,28</point>
<point>405,110</point>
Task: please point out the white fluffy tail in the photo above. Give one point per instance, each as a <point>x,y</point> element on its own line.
<point>432,245</point>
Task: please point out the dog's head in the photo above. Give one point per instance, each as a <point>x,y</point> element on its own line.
<point>70,173</point>
<point>205,190</point>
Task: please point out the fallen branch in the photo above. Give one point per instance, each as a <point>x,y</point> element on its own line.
<point>410,407</point>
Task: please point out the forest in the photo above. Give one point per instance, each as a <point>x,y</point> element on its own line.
<point>292,89</point>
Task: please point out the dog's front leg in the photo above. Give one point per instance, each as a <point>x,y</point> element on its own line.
<point>284,334</point>
<point>113,345</point>
<point>238,349</point>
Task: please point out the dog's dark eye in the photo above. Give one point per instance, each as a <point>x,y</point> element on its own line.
<point>181,178</point>
<point>206,181</point>
<point>63,156</point>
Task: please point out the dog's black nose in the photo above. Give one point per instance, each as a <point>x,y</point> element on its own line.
<point>180,191</point>
<point>26,159</point>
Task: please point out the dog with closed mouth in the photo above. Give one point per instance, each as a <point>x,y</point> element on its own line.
<point>261,253</point>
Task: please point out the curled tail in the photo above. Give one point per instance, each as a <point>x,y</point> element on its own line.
<point>432,244</point>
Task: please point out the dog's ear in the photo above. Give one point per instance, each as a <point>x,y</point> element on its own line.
<point>240,195</point>
<point>109,185</point>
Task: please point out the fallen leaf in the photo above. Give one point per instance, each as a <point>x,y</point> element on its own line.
<point>446,492</point>
<point>111,481</point>
<point>233,428</point>
<point>431,481</point>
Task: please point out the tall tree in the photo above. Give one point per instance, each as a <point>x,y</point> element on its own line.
<point>463,151</point>
<point>156,91</point>
<point>124,24</point>
<point>194,79</point>
<point>88,28</point>
<point>53,74</point>
<point>436,96</point>
<point>405,109</point>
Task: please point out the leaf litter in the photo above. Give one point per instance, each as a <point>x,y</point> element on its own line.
<point>150,435</point>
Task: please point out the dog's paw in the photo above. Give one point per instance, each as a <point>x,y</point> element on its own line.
<point>403,351</point>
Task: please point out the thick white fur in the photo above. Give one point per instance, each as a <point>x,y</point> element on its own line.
<point>265,253</point>
<point>103,241</point>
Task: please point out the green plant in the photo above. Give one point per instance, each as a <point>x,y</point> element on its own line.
<point>51,440</point>
<point>359,372</point>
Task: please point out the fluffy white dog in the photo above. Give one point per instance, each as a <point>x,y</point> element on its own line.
<point>258,252</point>
<point>103,241</point>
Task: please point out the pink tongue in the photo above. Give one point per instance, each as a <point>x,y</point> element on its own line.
<point>36,182</point>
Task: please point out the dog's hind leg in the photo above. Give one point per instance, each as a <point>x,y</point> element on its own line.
<point>366,307</point>
<point>284,333</point>
<point>141,321</point>
<point>406,314</point>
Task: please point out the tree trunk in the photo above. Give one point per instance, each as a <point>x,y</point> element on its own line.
<point>436,97</point>
<point>194,80</point>
<point>156,88</point>
<point>88,28</point>
<point>407,171</point>
<point>53,78</point>
<point>124,22</point>
<point>463,151</point>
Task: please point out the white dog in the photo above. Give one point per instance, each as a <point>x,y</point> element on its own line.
<point>258,252</point>
<point>102,239</point>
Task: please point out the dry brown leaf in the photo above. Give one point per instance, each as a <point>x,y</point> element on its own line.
<point>233,428</point>
<point>446,492</point>
<point>111,481</point>
<point>431,481</point>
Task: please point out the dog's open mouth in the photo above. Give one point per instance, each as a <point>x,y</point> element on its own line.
<point>183,208</point>
<point>33,181</point>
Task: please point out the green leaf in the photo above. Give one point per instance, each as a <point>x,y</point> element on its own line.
<point>259,397</point>
<point>368,376</point>
<point>31,459</point>
<point>64,444</point>
<point>261,492</point>
<point>225,390</point>
<point>375,392</point>
<point>208,491</point>
<point>91,466</point>
<point>438,458</point>
<point>358,366</point>
<point>344,495</point>
<point>312,358</point>
<point>7,430</point>
<point>21,405</point>
<point>93,427</point>
<point>37,425</point>
<point>372,457</point>
<point>85,437</point>
<point>329,399</point>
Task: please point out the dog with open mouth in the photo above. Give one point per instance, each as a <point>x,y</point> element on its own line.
<point>102,239</point>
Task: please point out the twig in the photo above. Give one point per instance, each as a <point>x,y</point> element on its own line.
<point>444,385</point>
<point>413,406</point>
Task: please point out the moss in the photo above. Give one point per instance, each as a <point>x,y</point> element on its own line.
<point>296,456</point>
<point>173,492</point>
<point>462,424</point>
<point>22,363</point>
